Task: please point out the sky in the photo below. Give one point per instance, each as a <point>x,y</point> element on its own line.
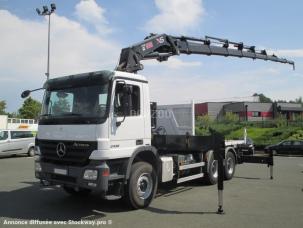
<point>88,35</point>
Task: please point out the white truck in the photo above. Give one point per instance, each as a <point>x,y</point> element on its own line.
<point>98,131</point>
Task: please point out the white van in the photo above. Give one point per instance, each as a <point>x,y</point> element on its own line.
<point>14,142</point>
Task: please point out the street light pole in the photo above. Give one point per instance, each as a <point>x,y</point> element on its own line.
<point>46,12</point>
<point>48,48</point>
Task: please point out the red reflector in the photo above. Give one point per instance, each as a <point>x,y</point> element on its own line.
<point>105,173</point>
<point>149,45</point>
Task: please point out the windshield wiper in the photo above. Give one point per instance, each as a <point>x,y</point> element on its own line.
<point>71,114</point>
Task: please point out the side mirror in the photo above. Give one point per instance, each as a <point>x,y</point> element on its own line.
<point>25,93</point>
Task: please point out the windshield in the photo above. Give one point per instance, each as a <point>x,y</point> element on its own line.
<point>77,102</point>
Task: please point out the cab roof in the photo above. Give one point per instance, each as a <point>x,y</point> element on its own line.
<point>96,77</point>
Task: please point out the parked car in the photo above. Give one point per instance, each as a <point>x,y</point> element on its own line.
<point>14,142</point>
<point>287,147</point>
<point>247,147</point>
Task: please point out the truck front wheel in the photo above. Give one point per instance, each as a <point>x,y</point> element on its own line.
<point>142,185</point>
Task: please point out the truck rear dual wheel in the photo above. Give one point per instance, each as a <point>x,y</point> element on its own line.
<point>211,176</point>
<point>142,185</point>
<point>230,166</point>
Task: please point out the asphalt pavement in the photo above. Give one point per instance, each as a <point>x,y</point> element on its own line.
<point>251,199</point>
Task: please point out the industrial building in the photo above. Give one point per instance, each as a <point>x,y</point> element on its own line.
<point>250,111</point>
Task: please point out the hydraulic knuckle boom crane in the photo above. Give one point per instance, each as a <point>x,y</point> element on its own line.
<point>163,46</point>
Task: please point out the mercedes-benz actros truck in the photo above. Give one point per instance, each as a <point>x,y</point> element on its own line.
<point>98,131</point>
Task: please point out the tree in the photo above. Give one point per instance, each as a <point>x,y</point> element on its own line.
<point>299,100</point>
<point>13,115</point>
<point>2,107</point>
<point>230,117</point>
<point>262,98</point>
<point>204,121</point>
<point>281,121</point>
<point>30,109</point>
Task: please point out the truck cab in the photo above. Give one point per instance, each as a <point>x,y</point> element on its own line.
<point>91,125</point>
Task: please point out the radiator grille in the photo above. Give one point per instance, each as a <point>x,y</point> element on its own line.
<point>76,152</point>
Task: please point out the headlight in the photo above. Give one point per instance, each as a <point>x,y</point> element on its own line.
<point>38,167</point>
<point>90,174</point>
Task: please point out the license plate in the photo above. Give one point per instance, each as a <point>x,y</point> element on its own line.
<point>60,171</point>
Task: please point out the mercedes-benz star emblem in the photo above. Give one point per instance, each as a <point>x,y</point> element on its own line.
<point>61,150</point>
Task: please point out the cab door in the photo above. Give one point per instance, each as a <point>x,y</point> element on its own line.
<point>127,121</point>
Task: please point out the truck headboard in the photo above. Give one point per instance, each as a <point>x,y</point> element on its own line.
<point>177,119</point>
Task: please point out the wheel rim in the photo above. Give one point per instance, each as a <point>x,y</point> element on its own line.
<point>144,185</point>
<point>214,168</point>
<point>230,165</point>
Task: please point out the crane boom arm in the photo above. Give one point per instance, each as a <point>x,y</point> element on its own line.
<point>161,47</point>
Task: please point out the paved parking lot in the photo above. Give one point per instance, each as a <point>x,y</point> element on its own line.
<point>251,200</point>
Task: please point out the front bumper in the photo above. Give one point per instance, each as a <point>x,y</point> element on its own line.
<point>72,176</point>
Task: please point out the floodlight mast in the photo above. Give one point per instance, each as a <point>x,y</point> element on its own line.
<point>47,12</point>
<point>163,46</point>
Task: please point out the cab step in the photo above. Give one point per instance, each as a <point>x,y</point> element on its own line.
<point>191,166</point>
<point>188,178</point>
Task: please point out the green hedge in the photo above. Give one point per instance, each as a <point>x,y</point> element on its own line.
<point>262,133</point>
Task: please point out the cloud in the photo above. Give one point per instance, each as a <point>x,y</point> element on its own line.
<point>292,53</point>
<point>173,86</point>
<point>176,16</point>
<point>89,11</point>
<point>23,45</point>
<point>173,63</point>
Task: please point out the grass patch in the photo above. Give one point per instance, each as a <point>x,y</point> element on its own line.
<point>262,136</point>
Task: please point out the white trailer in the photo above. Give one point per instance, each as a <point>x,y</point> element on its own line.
<point>18,124</point>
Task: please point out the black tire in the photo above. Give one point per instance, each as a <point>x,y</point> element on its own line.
<point>230,166</point>
<point>77,192</point>
<point>211,175</point>
<point>142,185</point>
<point>31,152</point>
